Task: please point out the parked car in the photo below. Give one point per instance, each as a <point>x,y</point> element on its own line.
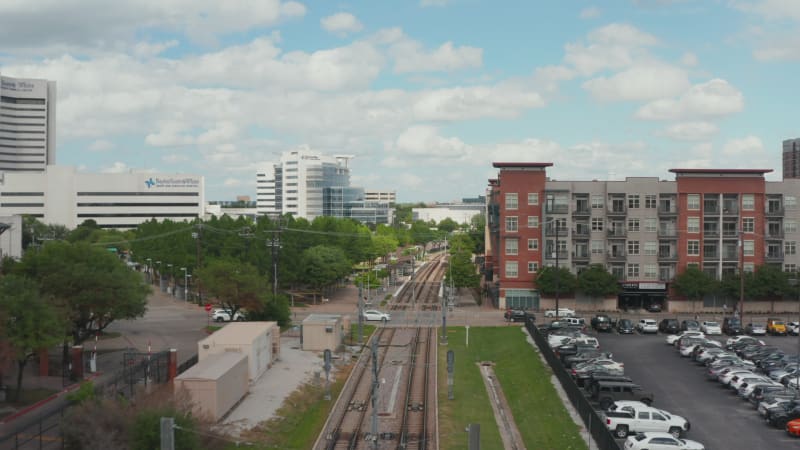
<point>710,327</point>
<point>608,392</point>
<point>690,325</point>
<point>781,417</point>
<point>224,315</point>
<point>793,427</point>
<point>670,326</point>
<point>374,314</point>
<point>654,307</point>
<point>755,329</point>
<point>776,327</point>
<point>732,326</point>
<point>647,326</point>
<point>654,440</point>
<point>622,420</point>
<point>674,337</point>
<point>584,355</point>
<point>793,328</point>
<point>601,322</point>
<point>625,326</point>
<point>562,312</point>
<point>515,315</point>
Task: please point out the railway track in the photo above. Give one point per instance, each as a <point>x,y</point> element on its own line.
<point>405,405</point>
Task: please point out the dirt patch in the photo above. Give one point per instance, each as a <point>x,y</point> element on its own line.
<point>502,411</point>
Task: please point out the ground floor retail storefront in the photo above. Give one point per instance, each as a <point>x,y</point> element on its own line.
<point>641,295</point>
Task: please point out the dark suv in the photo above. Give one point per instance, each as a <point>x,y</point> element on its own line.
<point>515,315</point>
<point>732,326</point>
<point>601,322</point>
<point>607,392</point>
<point>669,326</point>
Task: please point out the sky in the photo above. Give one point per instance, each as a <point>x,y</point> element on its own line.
<point>426,94</point>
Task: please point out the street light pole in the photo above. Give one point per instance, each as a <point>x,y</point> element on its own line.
<point>185,284</point>
<point>741,277</point>
<point>169,268</point>
<point>554,222</point>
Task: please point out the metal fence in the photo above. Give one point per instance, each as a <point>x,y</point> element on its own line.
<point>592,420</point>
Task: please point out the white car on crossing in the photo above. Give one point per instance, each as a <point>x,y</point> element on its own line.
<point>374,314</point>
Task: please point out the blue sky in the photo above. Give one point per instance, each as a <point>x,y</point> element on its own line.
<point>425,94</point>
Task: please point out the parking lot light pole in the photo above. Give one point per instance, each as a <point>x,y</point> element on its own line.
<point>185,284</point>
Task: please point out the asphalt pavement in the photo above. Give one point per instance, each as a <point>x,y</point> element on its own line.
<point>719,418</point>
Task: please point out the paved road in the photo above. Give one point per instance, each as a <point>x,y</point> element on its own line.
<point>719,418</point>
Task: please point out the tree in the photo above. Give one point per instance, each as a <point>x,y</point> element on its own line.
<point>30,322</point>
<point>236,285</point>
<point>92,285</point>
<point>694,284</point>
<point>447,225</point>
<point>324,265</point>
<point>550,280</point>
<point>597,282</point>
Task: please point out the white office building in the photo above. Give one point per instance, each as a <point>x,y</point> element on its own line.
<point>61,195</point>
<point>27,124</point>
<point>460,213</point>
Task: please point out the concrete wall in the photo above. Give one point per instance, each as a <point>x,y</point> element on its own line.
<point>213,398</point>
<point>316,338</point>
<point>258,347</point>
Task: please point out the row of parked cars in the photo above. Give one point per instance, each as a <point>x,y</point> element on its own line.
<point>760,374</point>
<point>625,406</point>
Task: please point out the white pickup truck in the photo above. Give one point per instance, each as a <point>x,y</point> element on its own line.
<point>626,417</point>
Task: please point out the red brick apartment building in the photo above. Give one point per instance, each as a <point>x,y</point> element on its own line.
<point>643,230</point>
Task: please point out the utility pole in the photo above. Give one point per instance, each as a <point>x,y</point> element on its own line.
<point>360,316</point>
<point>275,244</point>
<point>447,296</point>
<point>413,282</point>
<point>198,237</point>
<point>741,277</point>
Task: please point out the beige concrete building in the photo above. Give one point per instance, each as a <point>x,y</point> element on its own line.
<point>323,331</point>
<point>258,341</point>
<point>216,383</point>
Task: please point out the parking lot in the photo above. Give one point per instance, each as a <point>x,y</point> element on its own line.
<point>718,417</point>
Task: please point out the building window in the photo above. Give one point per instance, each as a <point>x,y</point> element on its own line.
<point>789,201</point>
<point>693,248</point>
<point>512,246</point>
<point>533,244</point>
<point>597,202</point>
<point>650,225</point>
<point>533,266</point>
<point>633,224</point>
<point>790,247</point>
<point>748,224</point>
<point>533,198</point>
<point>511,223</point>
<point>533,221</point>
<point>512,269</point>
<point>651,248</point>
<point>748,202</point>
<point>511,200</point>
<point>651,271</point>
<point>693,224</point>
<point>633,201</point>
<point>597,224</point>
<point>749,248</point>
<point>597,247</point>
<point>693,202</point>
<point>790,226</point>
<point>650,201</point>
<point>790,268</point>
<point>633,270</point>
<point>633,247</point>
<point>749,267</point>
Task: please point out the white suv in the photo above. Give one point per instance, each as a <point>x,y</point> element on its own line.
<point>647,326</point>
<point>224,315</point>
<point>562,312</point>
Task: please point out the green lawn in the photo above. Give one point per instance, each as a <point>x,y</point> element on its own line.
<point>538,411</point>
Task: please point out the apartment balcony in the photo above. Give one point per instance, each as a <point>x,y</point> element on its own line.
<point>728,234</point>
<point>616,233</point>
<point>582,211</point>
<point>580,255</point>
<point>667,256</point>
<point>711,210</point>
<point>775,211</point>
<point>617,210</point>
<point>581,233</point>
<point>561,255</point>
<point>711,255</point>
<point>730,256</point>
<point>710,234</point>
<point>667,232</point>
<point>615,255</point>
<point>665,277</point>
<point>730,211</point>
<point>556,209</point>
<point>774,256</point>
<point>556,231</point>
<point>666,211</point>
<point>774,234</point>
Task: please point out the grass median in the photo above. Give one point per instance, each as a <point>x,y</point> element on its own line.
<point>538,411</point>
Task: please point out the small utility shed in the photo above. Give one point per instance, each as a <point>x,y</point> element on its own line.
<point>259,341</point>
<point>323,331</point>
<point>215,384</point>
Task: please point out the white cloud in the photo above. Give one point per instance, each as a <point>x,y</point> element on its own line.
<point>101,145</point>
<point>639,83</point>
<point>117,167</point>
<point>590,12</point>
<point>778,47</point>
<point>749,146</point>
<point>690,131</point>
<point>232,182</point>
<point>713,98</point>
<point>409,56</point>
<point>341,23</point>
<point>92,24</point>
<point>613,46</point>
<point>175,158</point>
<point>689,59</point>
<point>150,49</point>
<point>772,9</point>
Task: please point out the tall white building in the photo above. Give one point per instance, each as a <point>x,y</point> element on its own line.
<point>296,183</point>
<point>61,195</point>
<point>27,124</point>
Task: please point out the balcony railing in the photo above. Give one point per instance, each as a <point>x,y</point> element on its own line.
<point>667,256</point>
<point>617,210</point>
<point>667,210</point>
<point>730,256</point>
<point>553,231</point>
<point>616,232</point>
<point>773,211</point>
<point>774,234</point>
<point>730,211</point>
<point>581,254</point>
<point>616,254</point>
<point>556,209</point>
<point>711,255</point>
<point>711,234</point>
<point>667,232</point>
<point>580,232</point>
<point>774,256</point>
<point>562,255</point>
<point>710,209</point>
<point>582,211</point>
